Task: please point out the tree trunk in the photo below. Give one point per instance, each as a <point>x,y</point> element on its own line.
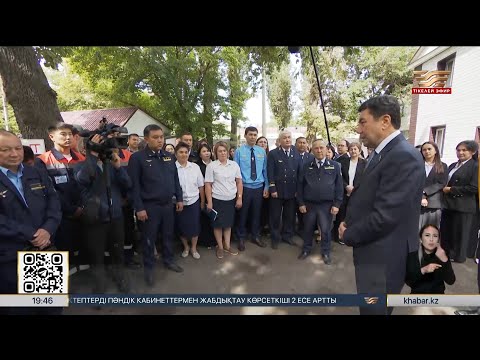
<point>233,132</point>
<point>209,133</point>
<point>27,90</point>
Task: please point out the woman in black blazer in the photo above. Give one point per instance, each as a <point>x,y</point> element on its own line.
<point>459,204</point>
<point>352,166</point>
<point>437,176</point>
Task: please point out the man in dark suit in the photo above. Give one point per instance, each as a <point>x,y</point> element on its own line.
<point>344,159</point>
<point>187,138</point>
<point>305,157</point>
<point>342,148</point>
<point>283,166</point>
<point>382,216</point>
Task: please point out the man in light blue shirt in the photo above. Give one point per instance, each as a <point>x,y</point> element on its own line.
<point>252,160</point>
<point>15,178</point>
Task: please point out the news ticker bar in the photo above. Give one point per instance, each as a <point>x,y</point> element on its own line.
<point>216,300</point>
<point>193,300</point>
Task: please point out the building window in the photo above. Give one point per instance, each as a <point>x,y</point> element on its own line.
<point>438,134</point>
<point>447,64</point>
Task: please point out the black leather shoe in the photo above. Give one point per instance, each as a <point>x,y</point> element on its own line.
<point>149,279</point>
<point>326,259</point>
<point>259,242</point>
<point>303,255</point>
<point>290,242</point>
<point>274,245</point>
<point>174,267</point>
<point>241,245</point>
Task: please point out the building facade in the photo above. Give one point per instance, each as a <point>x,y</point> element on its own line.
<point>447,119</point>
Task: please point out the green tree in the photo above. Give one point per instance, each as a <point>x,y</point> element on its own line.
<point>28,92</point>
<point>187,88</point>
<point>237,78</point>
<point>12,121</point>
<point>348,76</point>
<point>279,90</point>
<point>74,93</point>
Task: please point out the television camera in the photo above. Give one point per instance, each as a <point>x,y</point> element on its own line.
<point>109,143</point>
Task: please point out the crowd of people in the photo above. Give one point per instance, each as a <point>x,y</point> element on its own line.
<point>92,203</point>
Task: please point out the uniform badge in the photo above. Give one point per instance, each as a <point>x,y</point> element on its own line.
<point>167,159</point>
<point>330,168</point>
<point>280,161</point>
<point>38,186</point>
<point>3,194</point>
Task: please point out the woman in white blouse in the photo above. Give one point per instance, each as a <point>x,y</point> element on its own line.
<point>223,189</point>
<point>191,181</point>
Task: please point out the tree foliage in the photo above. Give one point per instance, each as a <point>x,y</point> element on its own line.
<point>74,93</point>
<point>279,89</point>
<point>187,88</point>
<point>349,76</point>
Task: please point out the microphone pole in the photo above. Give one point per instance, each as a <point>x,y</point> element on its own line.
<point>321,97</point>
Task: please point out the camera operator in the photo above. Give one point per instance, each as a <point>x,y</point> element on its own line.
<point>130,241</point>
<point>102,180</point>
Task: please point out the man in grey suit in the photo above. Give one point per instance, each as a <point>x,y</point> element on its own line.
<point>382,216</point>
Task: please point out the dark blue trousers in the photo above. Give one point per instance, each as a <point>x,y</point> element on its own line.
<point>129,228</point>
<point>284,210</point>
<point>160,218</point>
<point>317,213</point>
<point>251,210</point>
<point>69,237</point>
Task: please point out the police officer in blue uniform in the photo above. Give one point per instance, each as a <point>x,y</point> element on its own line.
<point>252,161</point>
<point>320,193</point>
<point>305,157</point>
<point>283,166</point>
<point>155,182</point>
<point>30,213</point>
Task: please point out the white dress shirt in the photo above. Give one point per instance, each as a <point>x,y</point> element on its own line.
<point>191,179</point>
<point>456,167</point>
<point>223,179</point>
<point>351,171</point>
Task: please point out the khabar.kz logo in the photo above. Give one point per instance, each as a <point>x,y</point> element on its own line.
<point>431,82</point>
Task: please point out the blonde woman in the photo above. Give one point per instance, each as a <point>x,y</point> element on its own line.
<point>223,189</point>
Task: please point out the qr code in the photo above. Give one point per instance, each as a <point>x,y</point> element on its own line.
<point>43,272</point>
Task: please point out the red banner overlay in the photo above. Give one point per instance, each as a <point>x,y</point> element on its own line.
<point>439,90</point>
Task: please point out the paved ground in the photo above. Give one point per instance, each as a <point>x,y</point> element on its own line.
<point>260,271</point>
